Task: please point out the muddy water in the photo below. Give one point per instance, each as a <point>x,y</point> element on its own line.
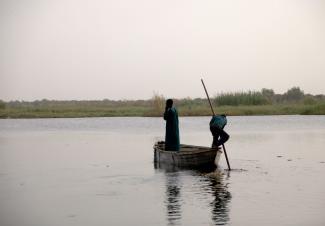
<point>100,171</point>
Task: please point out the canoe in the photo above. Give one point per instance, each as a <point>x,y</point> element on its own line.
<point>187,156</point>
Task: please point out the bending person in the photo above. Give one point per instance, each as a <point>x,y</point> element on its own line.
<point>217,124</point>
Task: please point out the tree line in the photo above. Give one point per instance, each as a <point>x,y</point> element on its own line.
<point>267,97</point>
<point>266,101</point>
<point>263,97</point>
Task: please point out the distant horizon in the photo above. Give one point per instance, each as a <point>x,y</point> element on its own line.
<point>145,99</point>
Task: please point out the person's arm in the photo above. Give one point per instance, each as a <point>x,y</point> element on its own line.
<point>166,113</point>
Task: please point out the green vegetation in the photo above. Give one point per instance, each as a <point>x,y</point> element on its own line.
<point>68,109</point>
<point>266,97</point>
<point>2,105</point>
<point>265,102</point>
<point>248,98</point>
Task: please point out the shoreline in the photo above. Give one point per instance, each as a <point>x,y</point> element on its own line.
<point>183,111</point>
<point>182,116</point>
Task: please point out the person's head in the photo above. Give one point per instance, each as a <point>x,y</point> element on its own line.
<point>169,103</point>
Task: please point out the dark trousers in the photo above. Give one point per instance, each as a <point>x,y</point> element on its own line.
<point>219,136</point>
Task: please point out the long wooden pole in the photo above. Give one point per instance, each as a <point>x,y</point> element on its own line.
<point>223,146</point>
<point>206,92</point>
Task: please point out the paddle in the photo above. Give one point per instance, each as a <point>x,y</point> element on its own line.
<point>223,146</point>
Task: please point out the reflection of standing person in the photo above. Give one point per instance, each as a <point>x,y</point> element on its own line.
<point>217,123</point>
<point>173,198</point>
<point>172,131</point>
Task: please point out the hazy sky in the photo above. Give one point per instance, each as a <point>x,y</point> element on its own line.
<point>127,49</point>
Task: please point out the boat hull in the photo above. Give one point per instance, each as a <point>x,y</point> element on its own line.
<point>187,156</point>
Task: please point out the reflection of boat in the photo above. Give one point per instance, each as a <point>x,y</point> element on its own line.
<point>213,187</point>
<point>187,156</point>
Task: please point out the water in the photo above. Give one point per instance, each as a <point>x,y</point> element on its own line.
<point>100,171</point>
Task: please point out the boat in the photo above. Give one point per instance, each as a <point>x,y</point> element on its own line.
<point>187,156</point>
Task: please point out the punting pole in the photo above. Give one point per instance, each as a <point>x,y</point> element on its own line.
<point>223,146</point>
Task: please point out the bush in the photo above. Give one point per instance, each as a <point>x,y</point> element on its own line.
<point>268,94</point>
<point>309,101</point>
<point>2,104</point>
<point>295,94</point>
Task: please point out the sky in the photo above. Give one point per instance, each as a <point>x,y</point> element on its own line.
<point>126,49</point>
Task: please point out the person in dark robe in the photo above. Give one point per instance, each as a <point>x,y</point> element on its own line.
<point>172,131</point>
<point>217,124</point>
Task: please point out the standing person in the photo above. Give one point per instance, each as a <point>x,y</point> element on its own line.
<point>217,124</point>
<point>172,131</point>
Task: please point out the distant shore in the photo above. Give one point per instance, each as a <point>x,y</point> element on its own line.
<point>79,111</point>
<point>264,102</point>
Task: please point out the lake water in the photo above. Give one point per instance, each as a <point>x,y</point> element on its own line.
<point>100,171</point>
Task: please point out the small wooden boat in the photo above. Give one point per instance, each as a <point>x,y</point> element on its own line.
<point>187,156</point>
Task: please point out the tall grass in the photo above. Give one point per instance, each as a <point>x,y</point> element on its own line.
<point>157,104</point>
<point>241,98</point>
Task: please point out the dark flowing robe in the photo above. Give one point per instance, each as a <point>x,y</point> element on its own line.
<point>172,131</point>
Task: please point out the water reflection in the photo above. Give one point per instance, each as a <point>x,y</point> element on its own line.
<point>173,198</point>
<point>212,186</point>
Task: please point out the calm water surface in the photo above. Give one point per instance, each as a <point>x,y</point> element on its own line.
<point>100,171</point>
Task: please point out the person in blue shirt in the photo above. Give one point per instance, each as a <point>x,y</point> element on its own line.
<point>172,130</point>
<point>217,124</point>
